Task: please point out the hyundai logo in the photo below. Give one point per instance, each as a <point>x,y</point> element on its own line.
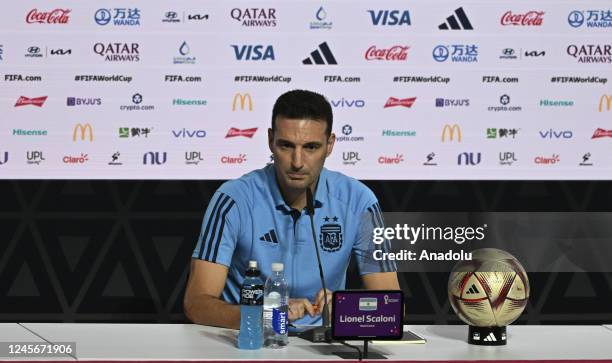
<point>34,50</point>
<point>171,15</point>
<point>102,16</point>
<point>440,53</point>
<point>508,51</point>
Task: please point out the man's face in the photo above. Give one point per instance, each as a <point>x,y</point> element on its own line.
<point>300,147</point>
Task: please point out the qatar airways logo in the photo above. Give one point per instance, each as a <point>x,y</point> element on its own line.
<point>530,18</point>
<point>56,16</point>
<point>395,53</point>
<point>234,132</point>
<point>25,101</point>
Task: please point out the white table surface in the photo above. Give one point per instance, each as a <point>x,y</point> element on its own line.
<point>608,326</point>
<point>13,332</point>
<point>195,342</point>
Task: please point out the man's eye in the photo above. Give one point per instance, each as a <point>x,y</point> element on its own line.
<point>311,147</point>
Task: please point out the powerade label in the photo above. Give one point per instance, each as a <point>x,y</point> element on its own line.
<point>279,321</point>
<point>251,295</point>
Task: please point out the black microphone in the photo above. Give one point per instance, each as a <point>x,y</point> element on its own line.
<point>322,333</point>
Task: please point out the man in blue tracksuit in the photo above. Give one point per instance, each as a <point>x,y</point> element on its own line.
<point>261,216</point>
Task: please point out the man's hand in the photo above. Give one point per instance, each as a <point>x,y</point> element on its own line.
<point>320,302</point>
<point>299,307</point>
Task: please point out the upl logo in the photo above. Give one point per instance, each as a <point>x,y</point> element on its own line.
<point>390,17</point>
<point>82,131</point>
<point>450,132</point>
<point>253,52</point>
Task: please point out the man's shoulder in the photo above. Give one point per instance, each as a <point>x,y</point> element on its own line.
<point>247,186</point>
<point>349,190</point>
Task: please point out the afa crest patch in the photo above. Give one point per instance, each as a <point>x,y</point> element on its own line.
<point>330,235</point>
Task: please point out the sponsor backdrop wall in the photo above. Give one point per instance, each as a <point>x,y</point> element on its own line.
<point>449,90</point>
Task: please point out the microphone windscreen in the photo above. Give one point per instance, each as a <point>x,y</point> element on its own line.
<point>309,202</point>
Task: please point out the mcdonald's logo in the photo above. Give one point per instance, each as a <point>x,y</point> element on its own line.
<point>242,98</point>
<point>608,100</point>
<point>451,131</point>
<point>82,130</point>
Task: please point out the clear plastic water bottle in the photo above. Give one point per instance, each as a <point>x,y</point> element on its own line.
<point>276,310</point>
<point>251,309</point>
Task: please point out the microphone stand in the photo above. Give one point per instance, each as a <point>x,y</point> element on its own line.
<point>322,333</point>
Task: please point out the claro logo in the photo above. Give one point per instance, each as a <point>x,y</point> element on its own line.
<point>451,131</point>
<point>82,131</point>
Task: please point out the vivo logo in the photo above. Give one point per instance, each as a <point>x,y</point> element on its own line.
<point>184,133</point>
<point>253,52</point>
<point>390,17</point>
<point>552,134</point>
<point>348,103</point>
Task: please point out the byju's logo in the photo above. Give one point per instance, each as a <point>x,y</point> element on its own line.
<point>452,102</point>
<point>118,16</point>
<point>118,52</point>
<point>390,17</point>
<point>255,16</point>
<point>76,101</point>
<point>555,134</point>
<point>321,16</point>
<point>404,102</point>
<point>253,52</point>
<point>458,53</point>
<point>321,56</point>
<point>469,158</point>
<point>184,57</point>
<point>36,101</point>
<point>592,18</point>
<point>155,158</point>
<point>457,21</point>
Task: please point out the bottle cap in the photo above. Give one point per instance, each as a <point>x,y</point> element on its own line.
<point>252,264</point>
<point>277,267</point>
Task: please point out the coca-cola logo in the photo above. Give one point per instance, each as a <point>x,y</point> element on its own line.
<point>395,53</point>
<point>530,18</point>
<point>56,16</point>
<point>234,132</point>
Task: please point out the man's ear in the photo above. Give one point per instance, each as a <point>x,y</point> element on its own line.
<point>271,140</point>
<point>330,144</point>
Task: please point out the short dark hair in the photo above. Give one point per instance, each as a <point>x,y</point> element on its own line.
<point>302,104</point>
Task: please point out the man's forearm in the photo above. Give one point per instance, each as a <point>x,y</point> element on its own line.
<point>209,310</point>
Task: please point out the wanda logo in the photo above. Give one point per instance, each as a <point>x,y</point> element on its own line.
<point>395,53</point>
<point>57,16</point>
<point>530,18</point>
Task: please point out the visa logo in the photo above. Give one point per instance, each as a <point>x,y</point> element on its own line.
<point>348,103</point>
<point>390,17</point>
<point>253,52</point>
<point>552,134</point>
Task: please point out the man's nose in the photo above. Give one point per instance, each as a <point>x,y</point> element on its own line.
<point>296,159</point>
